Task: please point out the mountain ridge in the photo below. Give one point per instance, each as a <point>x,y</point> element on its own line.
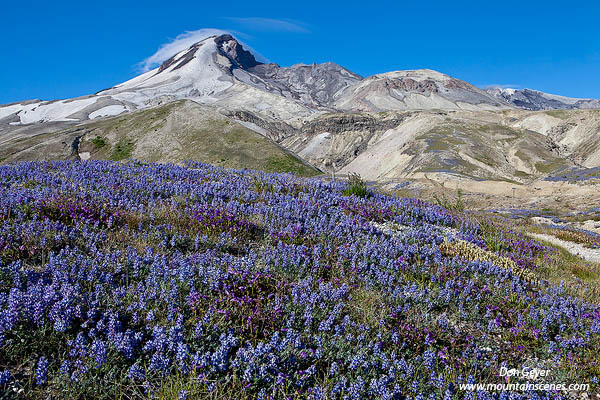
<point>204,72</point>
<point>536,100</point>
<point>207,70</point>
<point>384,126</point>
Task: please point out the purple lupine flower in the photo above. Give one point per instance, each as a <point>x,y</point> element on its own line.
<point>41,371</point>
<point>5,377</point>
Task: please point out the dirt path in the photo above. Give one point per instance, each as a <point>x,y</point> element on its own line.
<point>591,255</point>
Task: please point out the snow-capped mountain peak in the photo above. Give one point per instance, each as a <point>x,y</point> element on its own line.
<point>229,47</point>
<point>223,45</point>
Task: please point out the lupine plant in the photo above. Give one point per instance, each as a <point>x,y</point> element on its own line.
<point>140,280</point>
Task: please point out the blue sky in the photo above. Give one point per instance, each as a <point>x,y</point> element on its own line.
<point>64,49</point>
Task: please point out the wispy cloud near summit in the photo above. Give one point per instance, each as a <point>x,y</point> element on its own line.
<point>185,40</point>
<point>188,38</point>
<point>271,24</point>
<point>180,43</point>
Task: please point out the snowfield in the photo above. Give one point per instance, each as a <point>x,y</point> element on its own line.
<point>108,111</point>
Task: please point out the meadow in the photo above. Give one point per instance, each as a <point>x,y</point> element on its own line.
<point>134,281</point>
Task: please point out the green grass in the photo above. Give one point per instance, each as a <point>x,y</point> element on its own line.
<point>559,267</point>
<point>288,163</point>
<point>481,142</point>
<point>485,158</point>
<point>122,150</point>
<point>441,138</point>
<point>437,145</point>
<point>195,133</point>
<point>548,167</point>
<point>366,305</point>
<point>521,174</point>
<point>580,277</point>
<point>562,114</point>
<point>496,129</point>
<point>49,145</point>
<point>231,145</point>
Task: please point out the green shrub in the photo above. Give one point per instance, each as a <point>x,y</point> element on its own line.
<point>457,205</point>
<point>356,186</point>
<point>99,142</point>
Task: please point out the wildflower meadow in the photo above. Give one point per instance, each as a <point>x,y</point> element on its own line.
<point>135,281</point>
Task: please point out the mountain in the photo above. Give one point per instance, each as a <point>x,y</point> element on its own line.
<point>206,73</point>
<point>215,102</point>
<point>535,100</point>
<point>219,71</point>
<point>415,90</point>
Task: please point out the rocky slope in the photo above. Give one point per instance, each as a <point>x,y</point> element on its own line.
<point>384,146</point>
<point>575,133</point>
<point>315,84</point>
<point>415,90</point>
<point>535,100</point>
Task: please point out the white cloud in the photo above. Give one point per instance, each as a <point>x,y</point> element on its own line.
<point>271,24</point>
<point>182,42</point>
